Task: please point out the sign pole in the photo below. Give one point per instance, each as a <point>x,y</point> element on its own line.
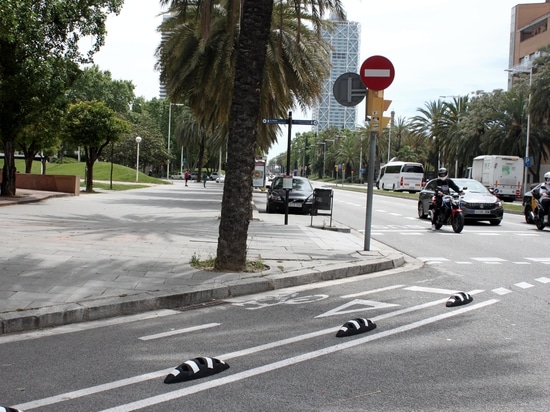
<point>370,189</point>
<point>288,163</point>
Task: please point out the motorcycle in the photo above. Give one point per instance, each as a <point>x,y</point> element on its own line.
<point>450,212</point>
<point>537,211</point>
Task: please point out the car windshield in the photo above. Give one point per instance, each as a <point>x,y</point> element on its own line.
<point>297,184</point>
<point>472,186</point>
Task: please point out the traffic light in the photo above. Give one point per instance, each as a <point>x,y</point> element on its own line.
<point>376,106</point>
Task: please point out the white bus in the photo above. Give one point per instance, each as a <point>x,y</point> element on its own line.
<point>401,176</point>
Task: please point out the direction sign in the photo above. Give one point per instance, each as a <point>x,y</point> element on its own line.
<point>275,121</point>
<point>306,122</point>
<point>377,73</point>
<point>348,89</point>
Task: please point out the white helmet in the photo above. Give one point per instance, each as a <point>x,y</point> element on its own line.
<point>442,173</point>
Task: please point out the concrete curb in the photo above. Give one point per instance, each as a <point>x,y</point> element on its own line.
<point>103,308</point>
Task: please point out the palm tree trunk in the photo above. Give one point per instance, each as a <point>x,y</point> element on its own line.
<point>243,121</point>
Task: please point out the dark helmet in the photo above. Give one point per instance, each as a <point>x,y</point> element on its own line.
<point>442,173</point>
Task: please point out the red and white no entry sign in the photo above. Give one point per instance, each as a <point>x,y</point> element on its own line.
<point>377,73</point>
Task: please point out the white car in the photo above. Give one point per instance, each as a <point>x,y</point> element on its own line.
<point>220,179</point>
<point>177,176</point>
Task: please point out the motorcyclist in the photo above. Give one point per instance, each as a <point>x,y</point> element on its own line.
<point>443,186</point>
<point>545,194</point>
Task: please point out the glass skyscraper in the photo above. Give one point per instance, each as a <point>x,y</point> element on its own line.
<point>344,58</point>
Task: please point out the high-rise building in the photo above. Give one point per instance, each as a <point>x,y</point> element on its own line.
<point>344,58</point>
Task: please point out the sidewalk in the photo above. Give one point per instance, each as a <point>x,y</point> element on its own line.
<point>67,259</point>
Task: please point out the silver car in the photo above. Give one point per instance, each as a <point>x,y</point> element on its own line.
<point>478,204</point>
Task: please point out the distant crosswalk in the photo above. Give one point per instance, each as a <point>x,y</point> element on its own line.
<point>434,260</point>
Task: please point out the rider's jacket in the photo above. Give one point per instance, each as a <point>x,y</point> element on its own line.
<point>446,185</point>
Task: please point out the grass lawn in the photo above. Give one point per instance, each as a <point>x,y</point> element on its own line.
<point>124,178</point>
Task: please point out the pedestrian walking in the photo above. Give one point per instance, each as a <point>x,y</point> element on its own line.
<point>187,176</point>
<point>204,177</point>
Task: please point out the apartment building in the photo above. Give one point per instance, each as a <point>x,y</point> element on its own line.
<point>529,31</point>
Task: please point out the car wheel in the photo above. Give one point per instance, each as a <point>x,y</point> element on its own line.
<point>495,222</point>
<point>421,212</point>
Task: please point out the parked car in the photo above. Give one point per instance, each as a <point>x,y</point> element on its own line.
<point>527,205</point>
<point>194,176</point>
<point>478,204</point>
<point>177,176</point>
<point>214,175</point>
<point>220,179</point>
<point>300,198</point>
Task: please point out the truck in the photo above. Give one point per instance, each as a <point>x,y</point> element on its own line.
<point>502,175</point>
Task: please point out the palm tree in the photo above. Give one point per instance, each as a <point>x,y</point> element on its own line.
<point>248,87</point>
<point>452,137</point>
<point>200,70</point>
<point>429,126</point>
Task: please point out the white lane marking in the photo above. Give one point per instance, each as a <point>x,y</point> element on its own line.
<point>432,290</point>
<point>543,280</point>
<point>78,327</point>
<point>360,306</point>
<point>524,285</point>
<point>368,292</point>
<point>521,263</point>
<point>540,260</point>
<point>501,291</point>
<point>154,400</point>
<point>163,372</point>
<point>489,259</point>
<point>178,331</point>
<point>433,259</point>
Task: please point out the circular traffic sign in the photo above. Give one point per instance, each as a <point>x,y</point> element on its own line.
<point>348,89</point>
<point>377,73</point>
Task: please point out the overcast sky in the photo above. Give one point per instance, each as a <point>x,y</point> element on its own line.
<point>438,48</point>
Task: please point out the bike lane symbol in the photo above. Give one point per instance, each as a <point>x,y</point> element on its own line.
<point>268,301</point>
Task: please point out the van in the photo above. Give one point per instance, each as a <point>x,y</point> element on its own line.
<point>401,176</point>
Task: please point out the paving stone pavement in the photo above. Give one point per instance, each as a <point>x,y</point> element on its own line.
<point>67,259</point>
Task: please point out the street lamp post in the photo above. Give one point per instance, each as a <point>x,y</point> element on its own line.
<point>458,108</point>
<point>138,141</point>
<point>169,135</point>
<point>528,131</point>
<point>389,134</point>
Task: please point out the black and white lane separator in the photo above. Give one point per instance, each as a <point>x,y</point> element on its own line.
<point>195,369</point>
<point>8,409</point>
<point>459,299</point>
<point>355,326</point>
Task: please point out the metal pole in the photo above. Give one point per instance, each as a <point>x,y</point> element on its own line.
<point>288,163</point>
<point>370,190</point>
<point>169,127</point>
<point>527,132</point>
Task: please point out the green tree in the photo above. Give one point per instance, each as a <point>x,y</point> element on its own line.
<point>198,68</point>
<point>93,126</point>
<point>428,125</point>
<point>244,115</point>
<point>94,84</point>
<point>39,57</point>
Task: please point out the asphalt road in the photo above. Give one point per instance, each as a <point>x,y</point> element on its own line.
<point>489,355</point>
